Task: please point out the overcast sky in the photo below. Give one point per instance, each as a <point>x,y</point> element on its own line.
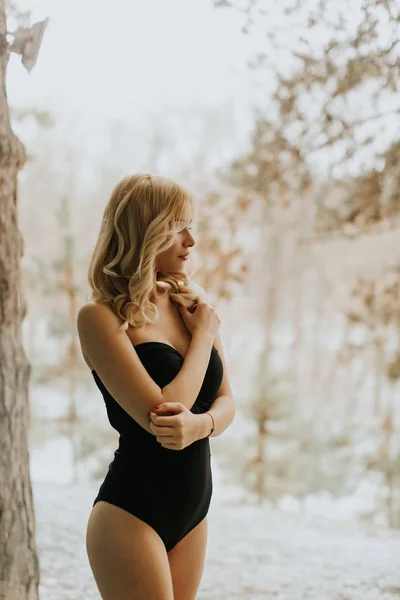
<point>104,59</point>
<point>115,59</point>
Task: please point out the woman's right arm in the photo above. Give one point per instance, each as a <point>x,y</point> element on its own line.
<point>116,362</point>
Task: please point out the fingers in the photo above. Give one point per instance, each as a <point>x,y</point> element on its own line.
<point>166,417</point>
<point>171,446</point>
<point>167,421</point>
<point>162,422</point>
<point>176,407</point>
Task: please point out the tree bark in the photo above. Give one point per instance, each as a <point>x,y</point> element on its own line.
<point>19,566</point>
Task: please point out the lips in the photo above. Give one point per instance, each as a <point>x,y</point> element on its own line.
<point>184,255</point>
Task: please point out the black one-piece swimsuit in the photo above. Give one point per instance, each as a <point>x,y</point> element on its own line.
<point>168,489</point>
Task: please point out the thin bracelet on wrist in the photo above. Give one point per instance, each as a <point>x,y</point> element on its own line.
<point>213,424</point>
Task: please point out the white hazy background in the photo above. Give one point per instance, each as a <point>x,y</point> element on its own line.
<point>130,60</point>
<point>137,64</point>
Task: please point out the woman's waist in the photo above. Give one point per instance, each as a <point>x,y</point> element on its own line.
<point>136,453</point>
<point>175,468</point>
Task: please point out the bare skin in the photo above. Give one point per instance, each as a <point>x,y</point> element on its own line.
<point>128,558</point>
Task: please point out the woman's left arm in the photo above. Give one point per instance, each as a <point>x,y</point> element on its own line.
<point>223,408</point>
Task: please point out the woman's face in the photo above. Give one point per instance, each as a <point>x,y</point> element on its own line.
<point>183,241</point>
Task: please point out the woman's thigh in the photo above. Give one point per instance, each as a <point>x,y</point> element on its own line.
<point>127,557</point>
<point>186,561</point>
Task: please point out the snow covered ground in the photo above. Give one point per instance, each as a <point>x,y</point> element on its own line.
<point>253,552</point>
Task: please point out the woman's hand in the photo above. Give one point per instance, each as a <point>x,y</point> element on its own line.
<point>201,317</point>
<point>174,425</point>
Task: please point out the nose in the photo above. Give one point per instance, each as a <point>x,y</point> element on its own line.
<point>190,241</point>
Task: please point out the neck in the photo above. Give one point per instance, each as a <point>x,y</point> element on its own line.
<point>160,290</point>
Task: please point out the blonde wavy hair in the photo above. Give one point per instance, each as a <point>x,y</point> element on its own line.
<point>139,222</point>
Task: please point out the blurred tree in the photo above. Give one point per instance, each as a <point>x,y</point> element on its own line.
<point>224,265</point>
<point>375,312</point>
<point>327,143</point>
<point>43,118</point>
<point>63,319</point>
<point>269,408</point>
<point>291,453</point>
<point>19,566</point>
<point>315,134</point>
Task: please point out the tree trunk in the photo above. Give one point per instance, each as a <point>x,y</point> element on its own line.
<point>19,567</point>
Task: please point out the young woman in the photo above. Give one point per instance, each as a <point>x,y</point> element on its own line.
<point>151,340</point>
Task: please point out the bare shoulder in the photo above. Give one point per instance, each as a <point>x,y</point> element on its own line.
<point>108,351</point>
<point>96,324</point>
<point>92,314</point>
<point>95,308</point>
